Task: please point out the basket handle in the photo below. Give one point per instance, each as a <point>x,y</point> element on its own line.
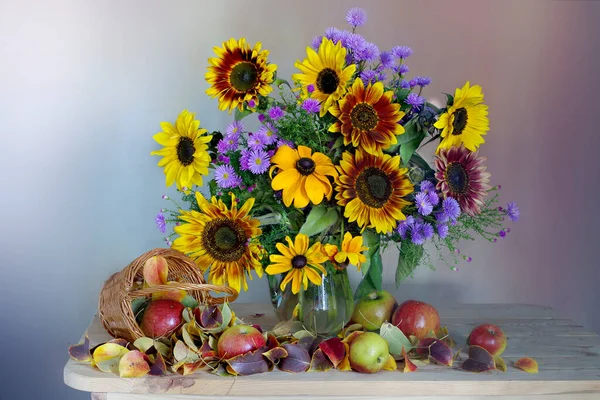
<point>205,288</point>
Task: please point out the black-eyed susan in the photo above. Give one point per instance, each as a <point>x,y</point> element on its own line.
<point>372,189</point>
<point>325,71</point>
<point>302,175</point>
<point>350,252</point>
<point>301,263</point>
<point>223,240</point>
<point>367,117</point>
<point>239,74</point>
<point>185,152</point>
<point>466,120</point>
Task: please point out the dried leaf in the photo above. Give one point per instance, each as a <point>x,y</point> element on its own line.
<point>409,366</point>
<point>334,350</point>
<point>155,271</point>
<point>163,349</point>
<point>190,368</point>
<point>187,338</point>
<point>527,364</point>
<point>444,335</point>
<point>176,295</point>
<point>188,315</point>
<point>272,341</point>
<point>348,339</point>
<point>344,365</point>
<point>306,342</point>
<point>390,364</point>
<point>143,344</point>
<point>211,317</point>
<point>107,357</point>
<point>275,354</point>
<point>283,328</point>
<point>396,339</point>
<point>297,360</point>
<point>206,352</point>
<point>182,353</point>
<point>500,364</point>
<point>257,315</point>
<point>220,370</point>
<point>480,360</point>
<point>159,367</point>
<point>436,350</point>
<point>120,342</point>
<point>304,333</point>
<point>248,364</point>
<point>134,364</point>
<point>81,352</point>
<point>319,362</point>
<point>350,328</point>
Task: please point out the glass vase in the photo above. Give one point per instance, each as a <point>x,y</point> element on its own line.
<point>284,301</point>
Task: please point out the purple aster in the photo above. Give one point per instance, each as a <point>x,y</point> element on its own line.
<point>225,176</point>
<point>256,141</point>
<point>311,106</point>
<point>426,186</point>
<point>381,76</point>
<point>513,212</point>
<point>356,17</point>
<point>333,34</point>
<point>502,234</point>
<point>268,133</point>
<point>370,52</point>
<point>223,159</point>
<point>275,113</point>
<point>234,128</point>
<point>225,146</point>
<point>402,52</point>
<point>245,160</point>
<point>421,232</point>
<point>423,204</point>
<point>368,76</point>
<point>412,83</point>
<point>422,80</point>
<point>451,208</point>
<point>316,42</point>
<point>404,84</point>
<point>161,224</point>
<point>251,103</point>
<point>401,69</point>
<point>387,59</point>
<point>283,142</point>
<point>415,100</point>
<point>258,161</point>
<point>427,230</point>
<point>310,88</point>
<point>261,118</point>
<point>355,42</point>
<point>405,226</point>
<point>442,230</point>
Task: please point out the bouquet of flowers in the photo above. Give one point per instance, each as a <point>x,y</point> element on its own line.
<point>334,173</point>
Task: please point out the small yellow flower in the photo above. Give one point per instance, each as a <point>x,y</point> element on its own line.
<point>351,252</point>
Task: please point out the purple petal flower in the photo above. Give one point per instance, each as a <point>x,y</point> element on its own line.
<point>258,161</point>
<point>223,159</point>
<point>261,118</point>
<point>401,69</point>
<point>316,42</point>
<point>356,17</point>
<point>283,142</point>
<point>417,236</point>
<point>423,204</point>
<point>370,52</point>
<point>387,59</point>
<point>226,177</point>
<point>442,230</point>
<point>256,141</point>
<point>268,133</point>
<point>251,103</point>
<point>310,88</point>
<point>382,76</point>
<point>502,234</point>
<point>415,100</point>
<point>355,42</point>
<point>368,76</point>
<point>412,83</point>
<point>275,113</point>
<point>245,160</point>
<point>513,212</point>
<point>405,226</point>
<point>451,208</point>
<point>402,52</point>
<point>404,84</point>
<point>427,230</point>
<point>236,127</point>
<point>333,34</point>
<point>422,80</point>
<point>161,224</point>
<point>427,186</point>
<point>311,106</point>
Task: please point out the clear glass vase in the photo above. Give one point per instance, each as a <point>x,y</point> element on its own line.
<point>284,301</point>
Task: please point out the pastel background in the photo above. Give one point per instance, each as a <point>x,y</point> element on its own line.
<point>84,85</point>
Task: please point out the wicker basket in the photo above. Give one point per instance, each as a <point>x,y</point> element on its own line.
<point>114,305</point>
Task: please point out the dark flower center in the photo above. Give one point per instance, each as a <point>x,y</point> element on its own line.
<point>305,166</point>
<point>460,121</point>
<point>364,117</point>
<point>373,187</point>
<point>457,178</point>
<point>186,150</point>
<point>224,240</point>
<point>299,261</point>
<point>244,76</point>
<point>327,81</point>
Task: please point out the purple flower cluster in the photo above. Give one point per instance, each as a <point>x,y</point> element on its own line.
<point>512,211</point>
<point>226,177</point>
<point>419,230</point>
<point>311,106</point>
<point>160,221</point>
<point>415,101</point>
<point>356,17</point>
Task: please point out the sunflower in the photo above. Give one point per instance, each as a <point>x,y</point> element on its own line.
<point>466,120</point>
<point>372,190</point>
<point>185,155</point>
<point>299,261</point>
<point>221,239</point>
<point>302,175</point>
<point>367,117</point>
<point>462,176</point>
<point>325,71</point>
<point>239,74</point>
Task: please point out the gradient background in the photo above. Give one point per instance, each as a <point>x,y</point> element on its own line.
<point>84,85</point>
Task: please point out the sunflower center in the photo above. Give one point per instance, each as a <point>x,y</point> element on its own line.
<point>457,178</point>
<point>305,166</point>
<point>224,240</point>
<point>186,150</point>
<point>244,76</point>
<point>327,81</point>
<point>364,117</point>
<point>373,187</point>
<point>460,121</point>
<point>299,261</point>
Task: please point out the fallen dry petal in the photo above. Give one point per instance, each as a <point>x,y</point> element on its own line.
<point>334,350</point>
<point>133,365</point>
<point>527,364</point>
<point>155,271</point>
<point>81,352</point>
<point>319,362</point>
<point>480,360</point>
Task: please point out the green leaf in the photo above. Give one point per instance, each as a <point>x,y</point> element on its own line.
<point>410,133</point>
<point>408,149</point>
<point>239,115</point>
<point>370,240</point>
<point>189,301</point>
<point>339,142</point>
<point>408,259</point>
<point>279,81</point>
<point>137,306</point>
<point>374,277</point>
<point>396,339</point>
<point>450,99</point>
<point>401,95</point>
<point>319,219</point>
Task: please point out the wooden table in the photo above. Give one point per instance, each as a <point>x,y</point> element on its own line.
<point>567,354</point>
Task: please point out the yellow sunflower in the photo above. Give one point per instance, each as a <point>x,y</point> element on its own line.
<point>185,155</point>
<point>325,71</point>
<point>299,261</point>
<point>351,252</point>
<point>367,117</point>
<point>239,74</point>
<point>466,120</point>
<point>222,239</point>
<point>372,190</point>
<point>302,175</point>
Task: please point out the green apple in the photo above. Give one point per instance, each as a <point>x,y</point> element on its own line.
<point>368,353</point>
<point>374,309</point>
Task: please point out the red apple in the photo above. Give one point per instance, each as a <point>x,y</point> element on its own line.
<point>239,339</point>
<point>161,318</point>
<point>490,337</point>
<point>416,318</point>
<point>374,309</point>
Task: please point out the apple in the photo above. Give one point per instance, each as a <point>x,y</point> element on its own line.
<point>239,339</point>
<point>490,337</point>
<point>416,318</point>
<point>161,318</point>
<point>374,309</point>
<point>368,353</point>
